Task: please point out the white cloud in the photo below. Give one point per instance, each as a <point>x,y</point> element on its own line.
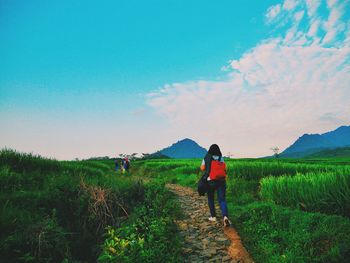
<point>273,12</point>
<point>331,3</point>
<point>312,6</point>
<point>334,25</point>
<point>290,4</point>
<point>280,89</point>
<point>322,26</point>
<point>313,28</point>
<point>298,16</point>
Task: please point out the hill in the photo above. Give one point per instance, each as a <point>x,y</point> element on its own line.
<point>312,143</point>
<point>185,148</point>
<point>329,153</point>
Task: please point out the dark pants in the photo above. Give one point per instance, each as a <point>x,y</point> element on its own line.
<point>220,187</point>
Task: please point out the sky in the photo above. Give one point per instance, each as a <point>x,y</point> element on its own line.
<point>94,78</point>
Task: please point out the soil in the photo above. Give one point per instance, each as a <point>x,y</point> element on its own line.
<point>206,241</point>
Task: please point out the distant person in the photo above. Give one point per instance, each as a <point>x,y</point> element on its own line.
<point>116,165</point>
<point>126,164</point>
<point>215,170</point>
<point>122,167</point>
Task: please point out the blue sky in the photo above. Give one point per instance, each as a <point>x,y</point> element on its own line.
<point>89,78</point>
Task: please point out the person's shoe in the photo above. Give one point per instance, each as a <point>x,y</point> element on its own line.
<point>227,222</point>
<point>212,219</point>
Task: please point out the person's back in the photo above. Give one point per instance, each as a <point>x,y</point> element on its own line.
<point>215,166</point>
<point>127,164</point>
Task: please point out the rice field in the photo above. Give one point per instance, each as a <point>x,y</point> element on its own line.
<point>283,209</point>
<point>319,192</point>
<point>286,210</point>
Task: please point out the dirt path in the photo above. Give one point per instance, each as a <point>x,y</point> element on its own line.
<point>206,241</point>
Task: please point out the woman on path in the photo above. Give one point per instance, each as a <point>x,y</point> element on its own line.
<point>215,170</point>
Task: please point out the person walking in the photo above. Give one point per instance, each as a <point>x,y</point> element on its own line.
<point>122,166</point>
<point>116,165</point>
<point>214,167</point>
<point>126,164</point>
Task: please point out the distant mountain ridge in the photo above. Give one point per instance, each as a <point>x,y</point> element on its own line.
<point>185,148</point>
<point>312,143</point>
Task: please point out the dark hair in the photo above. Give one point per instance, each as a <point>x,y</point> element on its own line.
<point>215,150</point>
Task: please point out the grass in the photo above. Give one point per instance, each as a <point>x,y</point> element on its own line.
<point>318,192</point>
<point>52,211</point>
<point>277,234</point>
<point>82,211</point>
<point>272,231</point>
<point>256,170</point>
<point>151,236</point>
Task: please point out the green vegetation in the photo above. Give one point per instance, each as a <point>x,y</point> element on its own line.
<point>152,235</point>
<point>320,192</point>
<point>55,211</point>
<point>331,153</point>
<point>277,234</point>
<point>288,229</point>
<point>285,210</point>
<point>255,170</point>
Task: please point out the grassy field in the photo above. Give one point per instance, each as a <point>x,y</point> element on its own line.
<point>82,211</point>
<point>285,210</point>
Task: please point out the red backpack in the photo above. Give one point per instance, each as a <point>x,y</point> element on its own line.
<point>217,170</point>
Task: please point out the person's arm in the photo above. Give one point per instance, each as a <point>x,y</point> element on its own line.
<point>203,166</point>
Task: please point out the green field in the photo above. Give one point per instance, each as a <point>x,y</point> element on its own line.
<point>83,211</point>
<point>285,210</point>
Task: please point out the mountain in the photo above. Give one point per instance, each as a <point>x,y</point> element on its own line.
<point>312,143</point>
<point>186,148</point>
<point>337,152</point>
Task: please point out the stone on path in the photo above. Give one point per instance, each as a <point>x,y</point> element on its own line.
<point>206,241</point>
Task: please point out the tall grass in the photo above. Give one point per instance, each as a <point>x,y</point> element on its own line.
<point>255,170</point>
<point>272,232</point>
<point>52,211</point>
<point>27,163</point>
<point>321,192</point>
<point>246,169</point>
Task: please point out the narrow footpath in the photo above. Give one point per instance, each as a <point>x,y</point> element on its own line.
<point>206,241</point>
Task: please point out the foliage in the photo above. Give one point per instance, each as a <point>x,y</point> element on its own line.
<point>78,211</point>
<point>243,168</point>
<point>255,170</point>
<point>277,234</point>
<point>152,237</point>
<point>52,211</point>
